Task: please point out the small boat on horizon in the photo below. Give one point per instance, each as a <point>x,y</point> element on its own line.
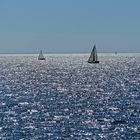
<point>41,56</point>
<point>93,56</point>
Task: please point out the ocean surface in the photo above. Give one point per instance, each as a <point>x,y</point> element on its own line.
<point>65,98</point>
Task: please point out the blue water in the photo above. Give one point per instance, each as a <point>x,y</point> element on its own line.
<point>65,98</point>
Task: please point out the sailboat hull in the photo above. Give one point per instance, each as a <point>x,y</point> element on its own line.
<point>93,61</point>
<point>93,56</point>
<point>41,58</point>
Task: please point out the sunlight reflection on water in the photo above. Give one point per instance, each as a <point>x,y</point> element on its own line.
<point>64,97</point>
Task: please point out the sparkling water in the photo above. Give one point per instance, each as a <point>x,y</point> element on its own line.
<point>65,98</point>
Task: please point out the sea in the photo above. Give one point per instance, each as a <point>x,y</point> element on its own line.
<point>66,98</point>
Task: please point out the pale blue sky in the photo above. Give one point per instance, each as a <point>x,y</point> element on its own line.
<point>26,26</point>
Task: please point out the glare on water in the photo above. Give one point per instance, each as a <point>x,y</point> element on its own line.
<point>64,97</point>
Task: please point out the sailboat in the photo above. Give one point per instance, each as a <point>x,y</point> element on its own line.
<point>41,57</point>
<point>93,56</point>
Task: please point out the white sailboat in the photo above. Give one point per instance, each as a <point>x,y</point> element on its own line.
<point>93,56</point>
<point>41,57</point>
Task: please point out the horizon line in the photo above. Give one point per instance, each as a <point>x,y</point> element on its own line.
<point>65,52</point>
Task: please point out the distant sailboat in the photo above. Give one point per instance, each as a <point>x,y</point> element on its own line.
<point>41,57</point>
<point>93,56</point>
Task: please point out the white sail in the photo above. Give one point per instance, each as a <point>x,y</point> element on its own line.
<point>41,57</point>
<point>93,56</point>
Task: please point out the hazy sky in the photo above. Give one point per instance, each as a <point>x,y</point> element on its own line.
<point>26,26</point>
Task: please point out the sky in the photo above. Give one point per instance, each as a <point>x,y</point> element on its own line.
<point>69,26</point>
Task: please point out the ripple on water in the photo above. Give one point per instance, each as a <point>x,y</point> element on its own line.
<point>64,97</point>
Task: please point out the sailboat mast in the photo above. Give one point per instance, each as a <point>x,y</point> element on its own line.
<point>41,57</point>
<point>93,56</point>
